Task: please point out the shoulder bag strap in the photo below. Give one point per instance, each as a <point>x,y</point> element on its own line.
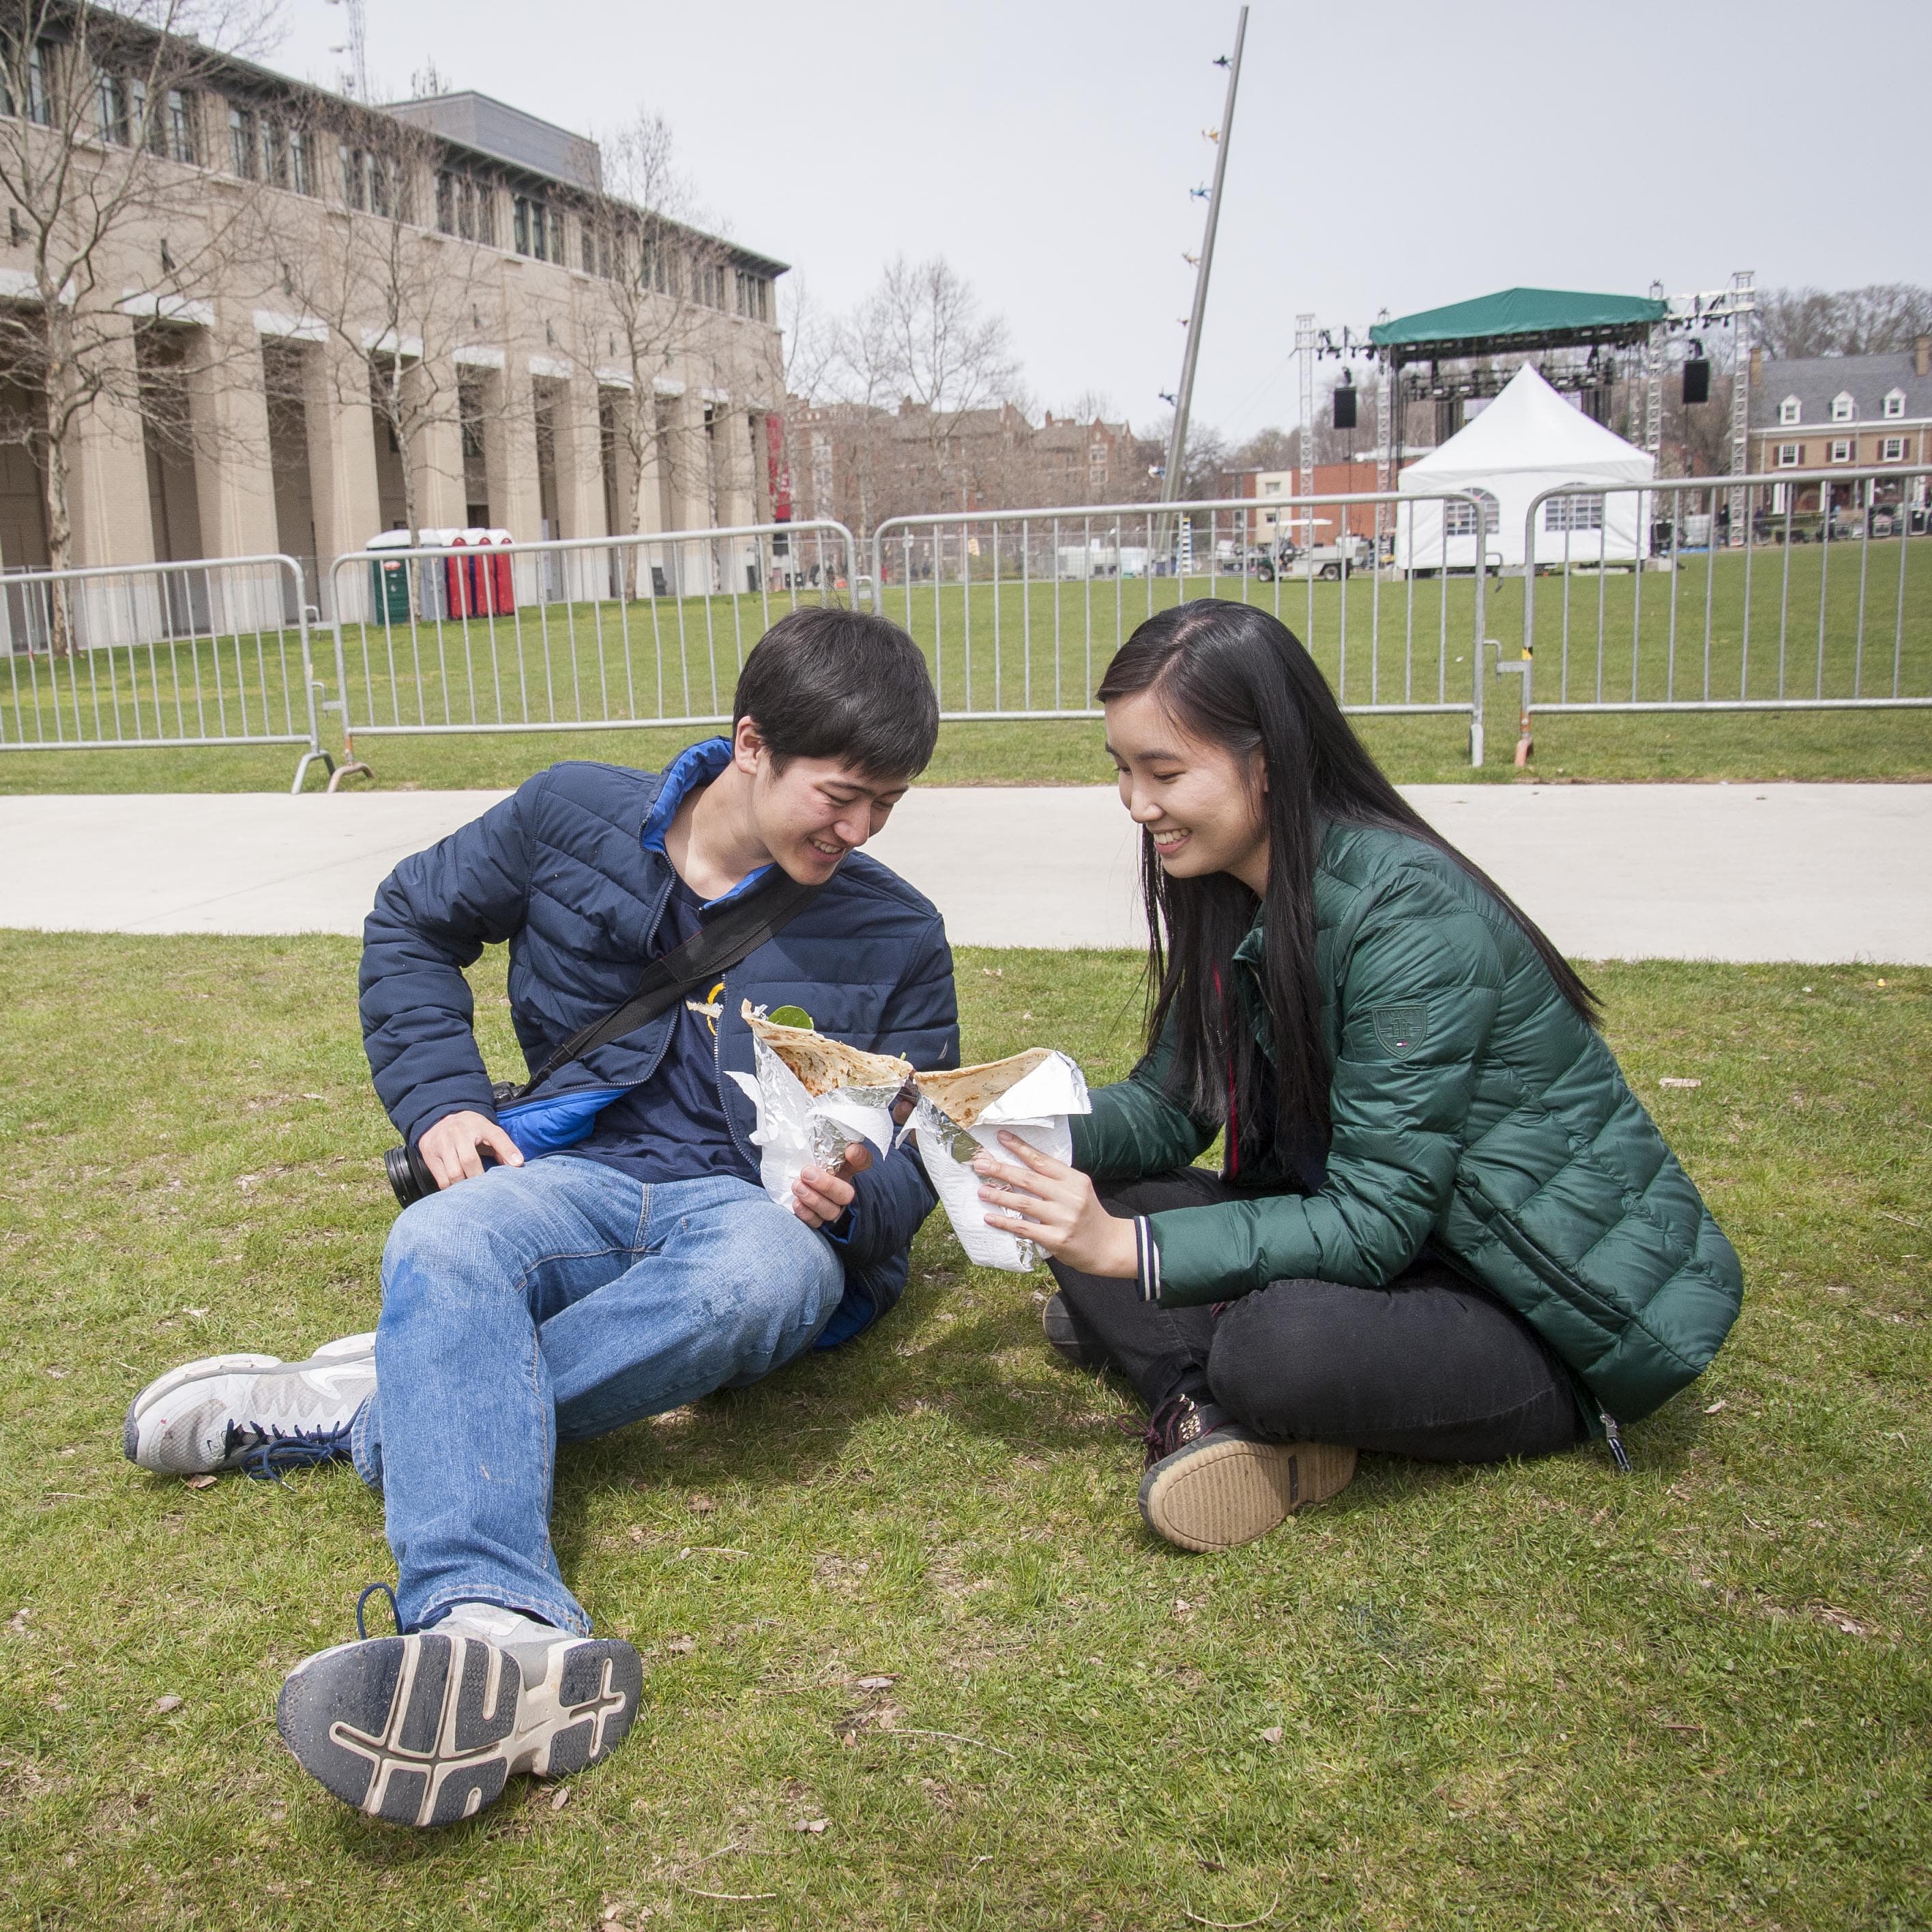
<point>735,934</point>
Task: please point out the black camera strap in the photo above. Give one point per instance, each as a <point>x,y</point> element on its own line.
<point>736,932</point>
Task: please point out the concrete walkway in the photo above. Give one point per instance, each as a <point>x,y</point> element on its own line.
<point>1812,873</point>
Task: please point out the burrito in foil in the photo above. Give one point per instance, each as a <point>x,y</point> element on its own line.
<point>1030,1094</point>
<point>816,1099</point>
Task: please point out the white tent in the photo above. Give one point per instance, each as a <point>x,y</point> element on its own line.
<point>1528,440</point>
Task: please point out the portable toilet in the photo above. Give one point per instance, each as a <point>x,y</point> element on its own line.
<point>389,599</point>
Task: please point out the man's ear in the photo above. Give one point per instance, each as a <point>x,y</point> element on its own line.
<point>748,749</point>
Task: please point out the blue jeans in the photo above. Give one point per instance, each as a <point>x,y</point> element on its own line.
<point>552,1302</point>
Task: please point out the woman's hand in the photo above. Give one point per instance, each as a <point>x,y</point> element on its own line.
<point>1045,1201</point>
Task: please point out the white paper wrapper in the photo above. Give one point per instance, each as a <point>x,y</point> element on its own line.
<point>795,1132</point>
<point>1035,1108</point>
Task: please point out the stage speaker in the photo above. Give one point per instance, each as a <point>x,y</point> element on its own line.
<point>1345,405</point>
<point>1697,382</point>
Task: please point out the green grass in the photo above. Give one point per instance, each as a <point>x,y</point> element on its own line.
<point>1531,1696</point>
<point>1021,646</point>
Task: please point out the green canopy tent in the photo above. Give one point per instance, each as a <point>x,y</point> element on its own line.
<point>1515,319</point>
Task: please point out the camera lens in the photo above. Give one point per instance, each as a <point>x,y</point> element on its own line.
<point>408,1175</point>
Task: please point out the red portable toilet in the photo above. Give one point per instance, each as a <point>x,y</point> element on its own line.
<point>456,576</point>
<point>502,586</point>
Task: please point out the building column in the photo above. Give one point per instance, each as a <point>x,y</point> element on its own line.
<point>441,501</point>
<point>580,486</point>
<point>234,481</point>
<point>510,452</point>
<point>342,468</point>
<point>107,459</point>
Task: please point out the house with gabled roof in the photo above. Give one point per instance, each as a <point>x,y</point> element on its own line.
<point>1850,412</point>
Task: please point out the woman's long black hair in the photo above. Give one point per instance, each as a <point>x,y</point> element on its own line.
<point>1233,676</point>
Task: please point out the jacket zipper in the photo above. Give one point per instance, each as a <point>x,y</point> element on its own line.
<point>1532,1253</point>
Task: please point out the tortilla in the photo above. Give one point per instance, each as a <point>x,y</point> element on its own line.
<point>823,1065</point>
<point>963,1095</point>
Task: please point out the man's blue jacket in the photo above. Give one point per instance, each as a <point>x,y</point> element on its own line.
<point>560,871</point>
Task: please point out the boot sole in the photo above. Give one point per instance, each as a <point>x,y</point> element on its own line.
<point>1228,1490</point>
<point>427,1729</point>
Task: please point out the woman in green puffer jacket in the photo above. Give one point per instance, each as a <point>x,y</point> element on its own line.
<point>1444,1226</point>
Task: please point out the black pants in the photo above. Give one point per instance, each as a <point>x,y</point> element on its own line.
<point>1427,1365</point>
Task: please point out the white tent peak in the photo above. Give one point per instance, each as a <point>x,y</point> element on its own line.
<point>1529,426</point>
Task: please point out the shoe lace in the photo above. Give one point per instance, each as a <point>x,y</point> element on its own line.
<point>1177,1421</point>
<point>272,1450</point>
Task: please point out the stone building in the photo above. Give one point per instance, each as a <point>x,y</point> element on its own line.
<point>300,254</point>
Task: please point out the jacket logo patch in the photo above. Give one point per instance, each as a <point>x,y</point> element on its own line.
<point>1402,1028</point>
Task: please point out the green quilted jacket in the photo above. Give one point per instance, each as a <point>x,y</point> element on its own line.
<point>1473,1111</point>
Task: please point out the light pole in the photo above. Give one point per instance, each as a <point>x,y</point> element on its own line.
<point>1176,441</point>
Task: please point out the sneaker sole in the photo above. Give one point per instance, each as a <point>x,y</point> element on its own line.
<point>347,1349</point>
<point>427,1729</point>
<point>1230,1492</point>
<point>175,1378</point>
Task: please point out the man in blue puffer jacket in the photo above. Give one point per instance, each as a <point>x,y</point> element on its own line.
<point>608,1254</point>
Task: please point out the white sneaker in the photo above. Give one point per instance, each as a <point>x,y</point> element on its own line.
<point>427,1729</point>
<point>226,1411</point>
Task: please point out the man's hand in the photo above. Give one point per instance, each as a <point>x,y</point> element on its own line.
<point>454,1147</point>
<point>818,1198</point>
<point>1045,1201</point>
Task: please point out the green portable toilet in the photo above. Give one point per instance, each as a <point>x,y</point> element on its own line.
<point>388,579</point>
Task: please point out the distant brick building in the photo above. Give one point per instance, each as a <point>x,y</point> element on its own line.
<point>1862,412</point>
<point>1331,479</point>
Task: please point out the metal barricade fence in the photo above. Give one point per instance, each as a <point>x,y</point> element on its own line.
<point>215,652</point>
<point>1019,611</point>
<point>1721,594</point>
<point>580,634</point>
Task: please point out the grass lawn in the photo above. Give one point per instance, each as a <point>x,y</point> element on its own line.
<point>1532,1696</point>
<point>1031,647</point>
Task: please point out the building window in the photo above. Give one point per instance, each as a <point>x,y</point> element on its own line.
<point>1844,409</point>
<point>301,175</point>
<point>1458,518</point>
<point>1841,450</point>
<point>481,197</point>
<point>537,230</point>
<point>654,265</point>
<point>754,296</point>
<point>241,143</point>
<point>1892,450</point>
<point>1790,410</point>
<point>178,122</point>
<point>381,186</point>
<point>1894,403</point>
<point>1790,455</point>
<point>707,284</point>
<point>274,153</point>
<point>1573,513</point>
<point>445,201</point>
<point>352,171</point>
<point>110,108</point>
<point>33,72</point>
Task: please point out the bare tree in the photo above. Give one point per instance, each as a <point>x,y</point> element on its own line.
<point>395,306</point>
<point>1881,318</point>
<point>102,122</point>
<point>659,281</point>
<point>919,341</point>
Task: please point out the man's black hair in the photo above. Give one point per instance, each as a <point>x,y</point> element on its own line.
<point>826,683</point>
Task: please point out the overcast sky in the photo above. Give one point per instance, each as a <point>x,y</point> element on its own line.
<point>1402,156</point>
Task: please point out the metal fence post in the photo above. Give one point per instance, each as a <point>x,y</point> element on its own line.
<point>1481,643</point>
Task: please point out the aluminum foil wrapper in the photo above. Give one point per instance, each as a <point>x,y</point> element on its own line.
<point>795,1131</point>
<point>1036,1108</point>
